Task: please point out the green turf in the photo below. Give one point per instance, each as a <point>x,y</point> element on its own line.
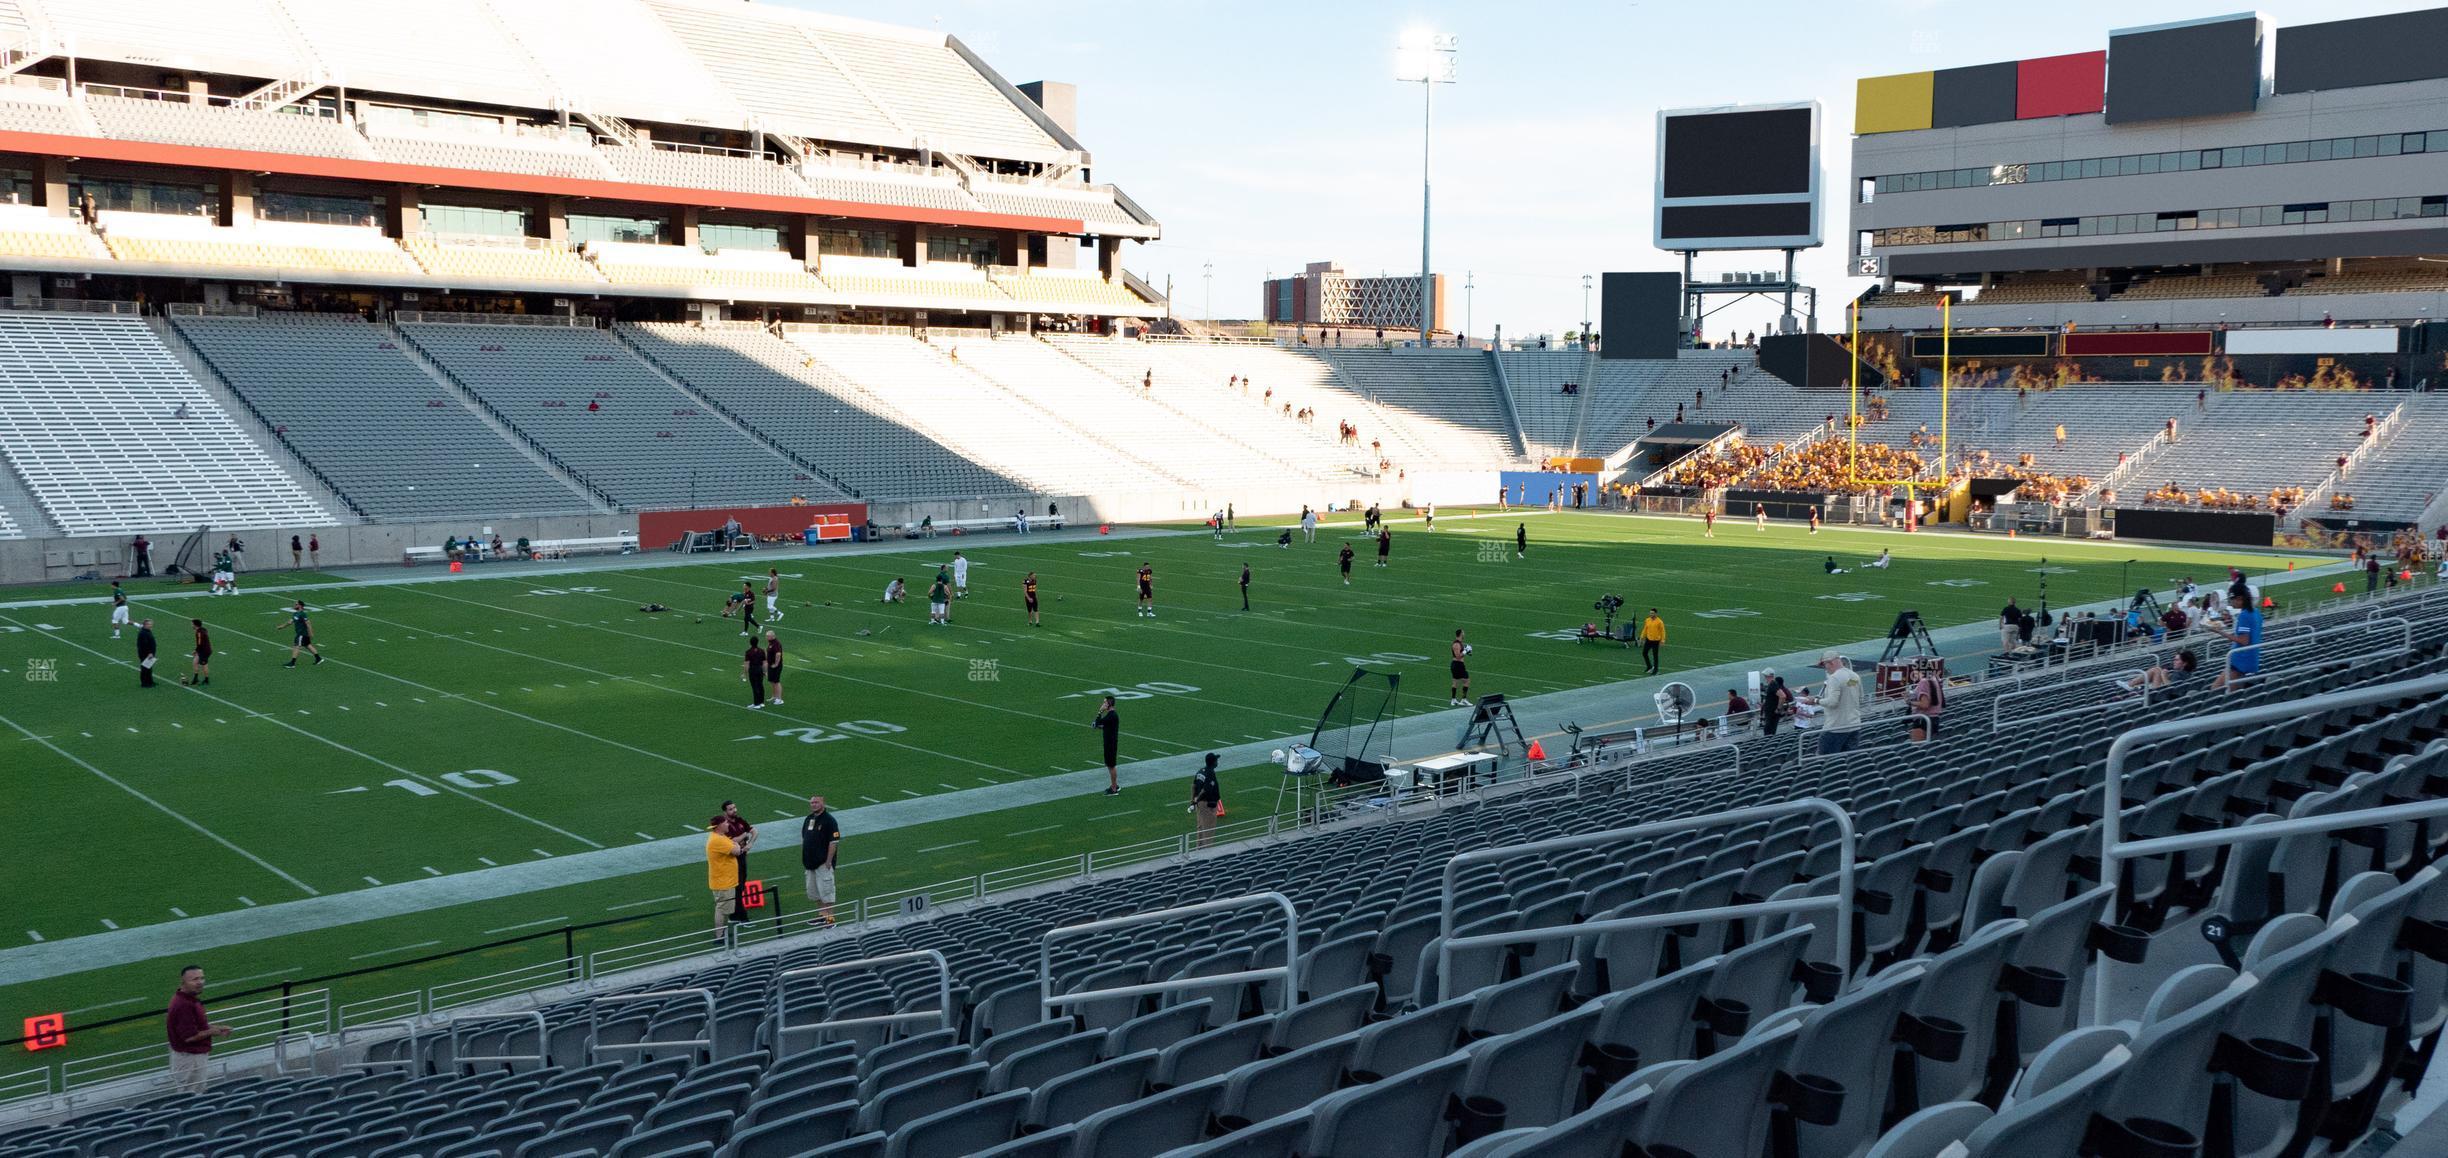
<point>499,717</point>
<point>158,585</point>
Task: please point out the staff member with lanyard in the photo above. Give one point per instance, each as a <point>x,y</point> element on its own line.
<point>1206,800</point>
<point>819,850</point>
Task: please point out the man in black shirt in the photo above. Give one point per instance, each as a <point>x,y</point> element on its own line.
<point>819,849</point>
<point>1343,559</point>
<point>1206,800</point>
<point>2010,623</point>
<point>1385,546</point>
<point>144,654</point>
<point>1109,725</point>
<point>1245,587</point>
<point>752,670</point>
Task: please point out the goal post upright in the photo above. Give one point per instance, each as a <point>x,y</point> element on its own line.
<point>1946,374</point>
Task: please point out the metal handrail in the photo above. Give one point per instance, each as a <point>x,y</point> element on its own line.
<point>458,1028</point>
<point>1841,903</point>
<point>782,1029</point>
<point>410,1062</point>
<point>2114,847</point>
<point>1997,703</point>
<point>595,1048</point>
<point>1049,1000</point>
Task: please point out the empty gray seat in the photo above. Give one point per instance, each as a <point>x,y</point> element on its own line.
<point>1532,1072</point>
<point>1108,1083</point>
<point>707,1128</point>
<point>1029,1067</point>
<point>1404,1113</point>
<point>795,1134</point>
<point>1151,1125</point>
<point>989,1121</point>
<point>1212,1053</point>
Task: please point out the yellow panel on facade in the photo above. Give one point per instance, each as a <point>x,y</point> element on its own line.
<point>1892,104</point>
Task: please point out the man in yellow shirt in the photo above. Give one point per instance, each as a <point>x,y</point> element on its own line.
<point>722,874</point>
<point>1653,638</point>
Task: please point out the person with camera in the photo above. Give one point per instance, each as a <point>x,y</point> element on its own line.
<point>1206,800</point>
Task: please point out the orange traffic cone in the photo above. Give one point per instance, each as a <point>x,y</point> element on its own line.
<point>454,566</point>
<point>2268,603</point>
<point>1104,528</point>
<point>2290,565</point>
<point>1537,752</point>
<point>2337,589</point>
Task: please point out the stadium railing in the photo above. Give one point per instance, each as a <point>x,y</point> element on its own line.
<point>420,1013</point>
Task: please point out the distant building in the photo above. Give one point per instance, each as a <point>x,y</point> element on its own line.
<point>1323,295</point>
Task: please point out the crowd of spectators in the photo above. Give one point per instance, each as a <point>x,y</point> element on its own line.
<point>1832,466</point>
<point>2279,499</point>
<point>2038,485</point>
<point>1708,469</point>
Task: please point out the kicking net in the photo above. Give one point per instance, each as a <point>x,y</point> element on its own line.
<point>1348,731</point>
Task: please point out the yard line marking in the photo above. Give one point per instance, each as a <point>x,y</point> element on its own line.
<point>1125,812</point>
<point>1034,831</point>
<point>372,881</point>
<point>173,813</point>
<point>107,923</point>
<point>907,792</point>
<point>954,844</point>
<point>431,871</point>
<point>283,971</point>
<point>106,1005</point>
<point>33,934</point>
<point>541,852</point>
<point>947,787</point>
<point>380,704</point>
<point>527,925</point>
<point>399,949</point>
<point>983,780</point>
<point>246,902</point>
<point>871,800</point>
<point>486,860</point>
<point>131,729</point>
<point>869,860</point>
<point>640,904</point>
<point>784,812</point>
<point>644,835</point>
<point>177,911</point>
<point>370,759</point>
<point>179,726</point>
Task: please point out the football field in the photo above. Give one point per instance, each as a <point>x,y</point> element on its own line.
<point>469,730</point>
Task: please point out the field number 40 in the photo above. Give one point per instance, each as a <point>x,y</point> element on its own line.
<point>472,778</point>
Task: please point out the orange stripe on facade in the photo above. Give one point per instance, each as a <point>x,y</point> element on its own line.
<point>394,173</point>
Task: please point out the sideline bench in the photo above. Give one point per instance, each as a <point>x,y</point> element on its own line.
<point>625,543</point>
<point>972,526</point>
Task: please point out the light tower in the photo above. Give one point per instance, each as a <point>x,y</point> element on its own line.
<point>1427,58</point>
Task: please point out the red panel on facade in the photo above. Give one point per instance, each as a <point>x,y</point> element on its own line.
<point>2057,86</point>
<point>200,157</point>
<point>660,529</point>
<point>2138,343</point>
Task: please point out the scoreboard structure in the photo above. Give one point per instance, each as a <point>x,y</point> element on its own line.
<point>1733,177</point>
<point>1738,177</point>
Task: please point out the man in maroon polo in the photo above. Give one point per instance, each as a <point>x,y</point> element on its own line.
<point>191,1034</point>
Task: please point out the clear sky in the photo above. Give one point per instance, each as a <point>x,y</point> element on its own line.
<point>1266,135</point>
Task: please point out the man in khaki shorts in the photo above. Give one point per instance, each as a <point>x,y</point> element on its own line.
<point>819,848</point>
<point>722,874</point>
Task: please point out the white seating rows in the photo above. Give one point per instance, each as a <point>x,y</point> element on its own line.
<point>112,435</point>
<point>1448,405</point>
<point>2103,423</point>
<point>726,273</point>
<point>647,443</point>
<point>464,260</point>
<point>967,411</point>
<point>1196,381</point>
<point>1094,206</point>
<point>2400,479</point>
<point>174,240</point>
<point>857,436</point>
<point>882,187</point>
<point>1117,417</point>
<point>32,231</point>
<point>8,526</point>
<point>2255,440</point>
<point>1981,925</point>
<point>502,152</point>
<point>700,170</point>
<point>778,74</point>
<point>350,402</point>
<point>180,123</point>
<point>931,92</point>
<point>1537,379</point>
<point>1630,392</point>
<point>455,50</point>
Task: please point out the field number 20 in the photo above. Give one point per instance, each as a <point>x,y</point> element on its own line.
<point>1143,691</point>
